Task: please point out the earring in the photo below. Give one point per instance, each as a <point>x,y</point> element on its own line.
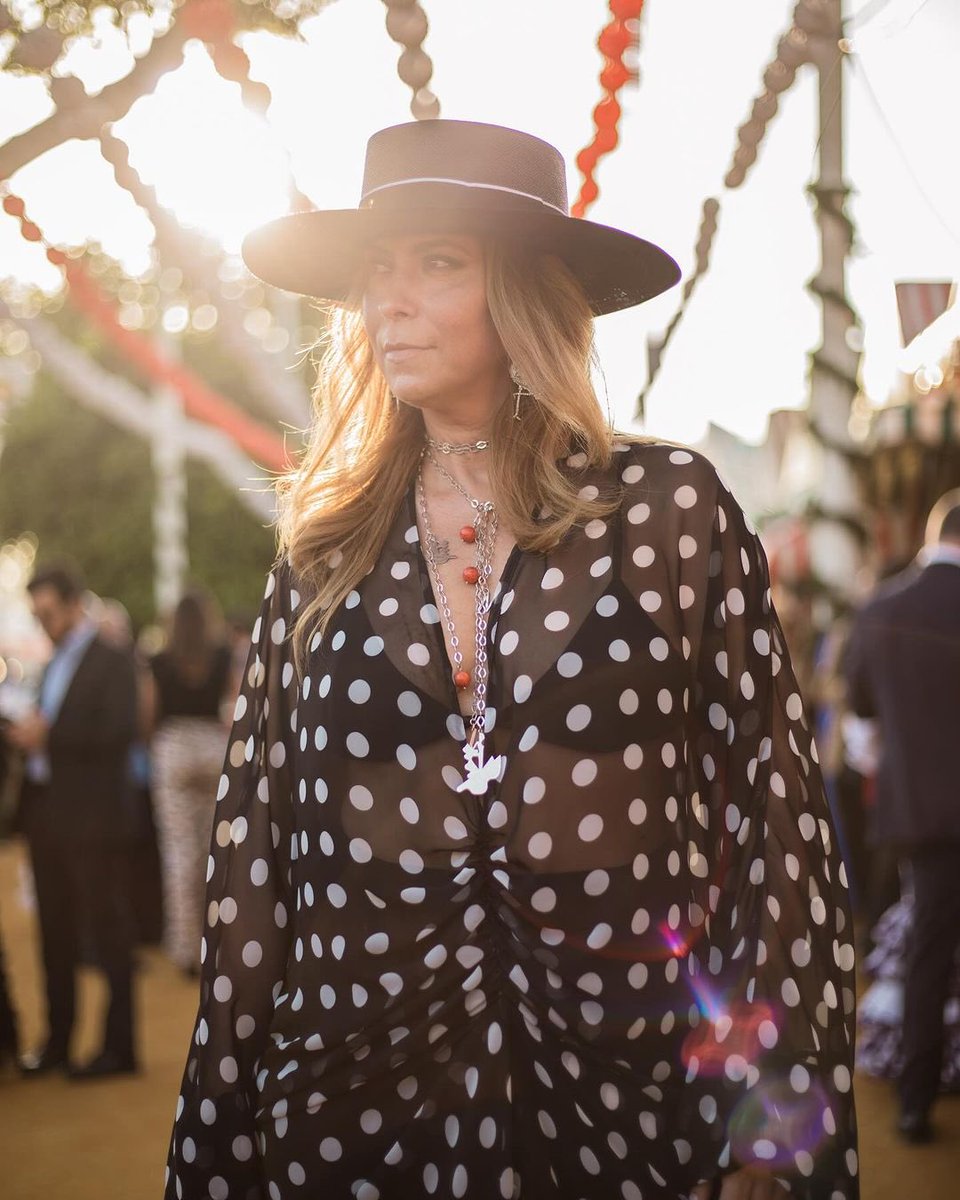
<point>396,402</point>
<point>520,391</point>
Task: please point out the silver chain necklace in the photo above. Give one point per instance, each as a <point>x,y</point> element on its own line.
<point>458,447</point>
<point>478,774</point>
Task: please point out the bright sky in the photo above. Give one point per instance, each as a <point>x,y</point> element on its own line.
<point>741,350</point>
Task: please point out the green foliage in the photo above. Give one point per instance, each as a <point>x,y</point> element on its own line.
<point>230,550</point>
<point>85,488</point>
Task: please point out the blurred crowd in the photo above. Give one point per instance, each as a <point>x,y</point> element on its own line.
<point>110,755</point>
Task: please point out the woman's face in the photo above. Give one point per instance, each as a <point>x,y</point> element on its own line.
<point>425,312</point>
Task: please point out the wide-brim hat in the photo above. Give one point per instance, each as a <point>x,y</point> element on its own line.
<point>458,176</point>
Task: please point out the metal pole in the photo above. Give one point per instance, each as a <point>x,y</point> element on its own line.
<point>170,499</point>
<point>835,516</point>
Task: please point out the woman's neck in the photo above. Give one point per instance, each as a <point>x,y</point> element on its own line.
<point>468,467</point>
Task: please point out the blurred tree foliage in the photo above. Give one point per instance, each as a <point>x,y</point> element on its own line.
<point>85,488</point>
<point>81,18</point>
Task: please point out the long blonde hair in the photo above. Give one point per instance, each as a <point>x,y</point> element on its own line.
<point>338,506</point>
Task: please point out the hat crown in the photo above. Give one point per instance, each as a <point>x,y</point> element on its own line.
<point>466,156</point>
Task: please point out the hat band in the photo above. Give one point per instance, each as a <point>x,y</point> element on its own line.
<point>367,198</point>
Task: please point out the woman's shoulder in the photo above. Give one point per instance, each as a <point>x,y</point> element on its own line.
<point>662,474</point>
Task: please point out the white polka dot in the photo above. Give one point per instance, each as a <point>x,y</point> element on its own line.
<point>409,704</point>
<point>373,646</point>
<point>629,702</point>
<point>523,685</point>
<point>569,665</point>
<point>584,772</point>
<point>650,601</point>
<point>358,745</point>
<point>529,738</point>
<point>418,654</point>
<point>360,851</point>
<point>361,797</point>
<point>540,845</point>
<point>590,828</point>
<point>686,496</point>
<point>599,936</point>
<point>552,578</point>
<point>359,691</point>
<point>534,790</point>
<point>643,556</point>
<point>601,566</point>
<point>578,718</point>
<point>330,1149</point>
<point>619,651</point>
<point>389,606</point>
<point>607,606</point>
<point>508,643</point>
<point>632,474</point>
<point>638,513</point>
<point>455,828</point>
<point>556,620</point>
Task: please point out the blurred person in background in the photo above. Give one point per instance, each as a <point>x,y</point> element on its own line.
<point>115,625</point>
<point>75,815</point>
<point>190,691</point>
<point>903,671</point>
<point>522,880</point>
<point>9,1036</point>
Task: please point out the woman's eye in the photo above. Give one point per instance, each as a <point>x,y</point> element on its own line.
<point>441,262</point>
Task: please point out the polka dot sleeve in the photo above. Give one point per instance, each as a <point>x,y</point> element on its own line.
<point>769,1063</point>
<point>213,1153</point>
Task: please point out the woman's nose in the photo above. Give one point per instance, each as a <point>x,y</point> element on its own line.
<point>396,298</point>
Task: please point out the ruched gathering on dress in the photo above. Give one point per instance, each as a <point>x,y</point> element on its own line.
<point>627,967</point>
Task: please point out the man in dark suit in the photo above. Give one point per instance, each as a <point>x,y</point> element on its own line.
<point>74,813</point>
<point>903,669</point>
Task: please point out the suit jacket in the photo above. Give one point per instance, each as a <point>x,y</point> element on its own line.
<point>88,796</point>
<point>903,668</point>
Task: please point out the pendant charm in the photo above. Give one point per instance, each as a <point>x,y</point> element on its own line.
<point>479,774</point>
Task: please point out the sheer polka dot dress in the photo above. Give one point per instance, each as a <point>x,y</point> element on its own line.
<point>625,969</point>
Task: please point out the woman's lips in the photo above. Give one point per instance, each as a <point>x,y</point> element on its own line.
<point>395,354</point>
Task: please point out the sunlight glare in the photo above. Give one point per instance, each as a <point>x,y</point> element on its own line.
<point>212,161</point>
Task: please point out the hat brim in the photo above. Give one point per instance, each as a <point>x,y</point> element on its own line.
<point>319,254</point>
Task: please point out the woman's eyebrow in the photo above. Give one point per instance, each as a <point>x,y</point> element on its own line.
<point>429,244</point>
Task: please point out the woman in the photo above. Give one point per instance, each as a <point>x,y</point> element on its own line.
<point>522,882</point>
<point>189,683</point>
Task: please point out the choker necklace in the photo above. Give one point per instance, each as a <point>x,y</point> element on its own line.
<point>478,775</point>
<point>458,447</point>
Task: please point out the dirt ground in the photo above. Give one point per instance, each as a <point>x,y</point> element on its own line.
<point>107,1140</point>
